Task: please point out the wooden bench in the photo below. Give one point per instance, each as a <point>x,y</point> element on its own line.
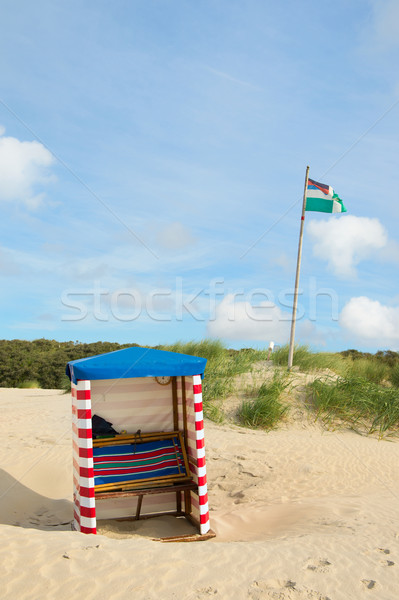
<point>141,464</point>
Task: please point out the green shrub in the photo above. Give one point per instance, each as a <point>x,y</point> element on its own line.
<point>44,360</point>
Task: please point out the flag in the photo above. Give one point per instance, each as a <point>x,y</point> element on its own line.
<point>322,198</point>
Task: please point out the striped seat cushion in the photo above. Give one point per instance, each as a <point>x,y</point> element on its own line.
<point>138,462</point>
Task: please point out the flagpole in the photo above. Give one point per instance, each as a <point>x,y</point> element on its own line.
<point>298,269</point>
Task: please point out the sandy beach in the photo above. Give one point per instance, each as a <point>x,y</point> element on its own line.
<point>298,512</point>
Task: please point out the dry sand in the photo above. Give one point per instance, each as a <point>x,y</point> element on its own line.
<point>299,513</point>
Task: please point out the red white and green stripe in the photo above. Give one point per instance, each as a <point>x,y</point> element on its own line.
<point>126,462</point>
<point>322,198</point>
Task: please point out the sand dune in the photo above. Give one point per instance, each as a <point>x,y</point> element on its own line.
<point>299,513</point>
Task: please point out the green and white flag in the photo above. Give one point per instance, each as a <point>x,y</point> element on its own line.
<point>322,198</point>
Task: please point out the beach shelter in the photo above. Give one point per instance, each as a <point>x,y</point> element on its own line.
<point>152,460</point>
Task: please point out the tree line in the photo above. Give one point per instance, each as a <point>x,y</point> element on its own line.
<point>41,363</point>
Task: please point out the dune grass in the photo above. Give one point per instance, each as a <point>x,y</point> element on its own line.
<point>216,388</point>
<point>369,369</point>
<point>357,403</point>
<point>29,384</point>
<point>263,409</point>
<point>222,366</point>
<point>225,362</point>
<point>356,399</point>
<point>394,376</point>
<point>212,350</point>
<point>307,360</point>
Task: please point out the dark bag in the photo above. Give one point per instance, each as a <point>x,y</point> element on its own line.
<point>101,427</point>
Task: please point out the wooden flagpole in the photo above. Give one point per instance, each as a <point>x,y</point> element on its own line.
<point>298,269</point>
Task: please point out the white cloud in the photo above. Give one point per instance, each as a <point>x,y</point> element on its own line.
<point>370,321</point>
<point>242,321</point>
<point>345,241</point>
<point>175,236</point>
<point>23,166</point>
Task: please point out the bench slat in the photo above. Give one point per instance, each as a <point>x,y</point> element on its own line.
<point>145,492</point>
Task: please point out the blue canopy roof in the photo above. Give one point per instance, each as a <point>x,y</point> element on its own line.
<point>134,362</point>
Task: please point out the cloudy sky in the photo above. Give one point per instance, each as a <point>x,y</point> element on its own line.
<point>152,163</point>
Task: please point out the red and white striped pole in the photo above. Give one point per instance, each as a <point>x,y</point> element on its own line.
<point>200,446</point>
<point>83,471</point>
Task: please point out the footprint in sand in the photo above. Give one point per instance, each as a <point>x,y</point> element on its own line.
<point>46,439</point>
<point>280,589</point>
<point>46,518</point>
<point>387,563</point>
<point>369,583</point>
<point>321,565</point>
<point>205,592</point>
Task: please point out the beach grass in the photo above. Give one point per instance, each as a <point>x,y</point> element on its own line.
<point>357,403</point>
<point>394,376</point>
<point>363,393</point>
<point>29,384</point>
<point>307,360</point>
<point>212,350</point>
<point>224,361</point>
<point>216,388</point>
<point>222,367</point>
<point>264,409</point>
<point>370,369</point>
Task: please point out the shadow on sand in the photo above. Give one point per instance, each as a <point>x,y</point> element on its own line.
<point>23,507</point>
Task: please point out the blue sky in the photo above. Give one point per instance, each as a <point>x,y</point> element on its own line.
<point>152,162</point>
